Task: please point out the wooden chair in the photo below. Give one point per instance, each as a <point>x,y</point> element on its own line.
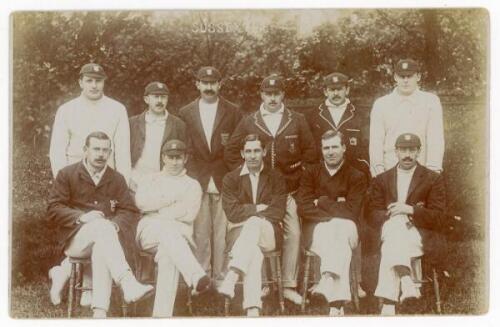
<point>272,263</point>
<point>147,258</point>
<point>76,285</point>
<point>309,259</point>
<point>417,275</point>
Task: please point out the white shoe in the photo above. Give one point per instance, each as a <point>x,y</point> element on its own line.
<point>86,299</point>
<point>99,313</point>
<point>253,312</point>
<point>388,310</point>
<point>291,295</point>
<point>361,292</point>
<point>227,286</point>
<point>324,287</point>
<point>334,312</point>
<point>266,290</point>
<point>134,291</point>
<point>408,289</point>
<point>58,280</point>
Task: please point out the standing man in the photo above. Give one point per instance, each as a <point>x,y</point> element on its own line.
<point>150,130</point>
<point>407,203</point>
<point>170,201</point>
<point>210,120</point>
<point>254,199</point>
<point>329,201</point>
<point>96,217</point>
<point>339,114</point>
<point>289,143</point>
<point>406,110</point>
<point>89,112</point>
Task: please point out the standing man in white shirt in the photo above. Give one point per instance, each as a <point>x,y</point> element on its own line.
<point>150,130</point>
<point>210,120</point>
<point>91,111</point>
<point>406,110</point>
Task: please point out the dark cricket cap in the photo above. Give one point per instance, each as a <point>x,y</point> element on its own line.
<point>208,74</point>
<point>406,67</point>
<point>93,70</point>
<point>335,79</point>
<point>174,148</point>
<point>272,83</point>
<point>156,88</point>
<point>408,140</point>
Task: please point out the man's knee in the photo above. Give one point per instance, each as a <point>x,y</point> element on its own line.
<point>103,229</point>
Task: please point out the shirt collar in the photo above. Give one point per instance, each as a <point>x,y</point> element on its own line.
<point>412,97</point>
<point>206,104</point>
<point>94,175</point>
<point>150,118</point>
<point>244,171</point>
<point>407,172</point>
<point>342,106</point>
<point>332,172</point>
<point>265,112</point>
<point>182,173</point>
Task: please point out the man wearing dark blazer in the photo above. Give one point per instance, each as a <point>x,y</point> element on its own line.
<point>95,216</point>
<point>329,202</point>
<point>290,148</point>
<point>210,120</point>
<point>150,130</point>
<point>254,199</point>
<point>407,205</point>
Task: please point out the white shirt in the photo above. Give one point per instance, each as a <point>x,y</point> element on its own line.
<point>332,172</point>
<point>95,175</point>
<point>254,180</point>
<point>207,114</point>
<point>403,182</point>
<point>149,162</point>
<point>336,111</point>
<point>272,119</point>
<point>79,117</point>
<point>392,115</point>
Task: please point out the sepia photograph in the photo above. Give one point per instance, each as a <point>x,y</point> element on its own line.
<point>249,163</point>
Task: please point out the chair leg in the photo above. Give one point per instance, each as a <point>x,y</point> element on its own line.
<point>354,285</point>
<point>305,284</point>
<point>124,306</point>
<point>78,282</point>
<point>71,290</point>
<point>279,281</point>
<point>189,301</point>
<point>226,306</point>
<point>435,282</point>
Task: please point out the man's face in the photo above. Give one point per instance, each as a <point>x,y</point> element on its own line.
<point>174,163</point>
<point>253,154</point>
<point>333,151</point>
<point>92,87</point>
<point>157,103</point>
<point>272,100</point>
<point>336,94</point>
<point>97,153</point>
<point>407,157</point>
<point>208,90</point>
<point>406,85</point>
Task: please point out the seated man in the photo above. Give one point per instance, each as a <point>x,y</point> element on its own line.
<point>170,201</point>
<point>95,215</point>
<point>254,198</point>
<point>329,202</point>
<point>407,202</point>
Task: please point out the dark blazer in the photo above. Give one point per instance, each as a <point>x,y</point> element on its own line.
<point>351,125</point>
<point>339,196</point>
<point>175,129</point>
<point>74,194</point>
<point>289,152</point>
<point>204,163</point>
<point>427,196</point>
<point>237,200</point>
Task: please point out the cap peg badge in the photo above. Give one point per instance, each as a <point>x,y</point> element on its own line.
<point>96,68</point>
<point>335,79</point>
<point>209,71</point>
<point>405,65</point>
<point>272,82</point>
<point>407,137</point>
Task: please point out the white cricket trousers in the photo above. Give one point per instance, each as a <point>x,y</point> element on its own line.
<point>333,241</point>
<point>173,255</point>
<point>256,236</point>
<point>99,240</point>
<point>401,241</point>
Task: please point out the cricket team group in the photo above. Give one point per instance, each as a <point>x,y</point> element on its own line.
<point>208,192</point>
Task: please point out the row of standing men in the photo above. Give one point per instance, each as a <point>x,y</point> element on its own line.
<point>213,129</point>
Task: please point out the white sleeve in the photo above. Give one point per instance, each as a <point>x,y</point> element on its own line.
<point>377,139</point>
<point>59,142</point>
<point>435,136</point>
<point>191,203</point>
<point>121,142</point>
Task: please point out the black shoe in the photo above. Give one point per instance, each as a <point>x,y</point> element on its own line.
<point>320,303</point>
<point>204,284</point>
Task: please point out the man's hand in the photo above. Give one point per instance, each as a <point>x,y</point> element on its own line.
<point>399,208</point>
<point>315,202</point>
<point>261,207</point>
<point>91,215</point>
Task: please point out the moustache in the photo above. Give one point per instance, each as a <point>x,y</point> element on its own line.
<point>407,159</point>
<point>210,92</point>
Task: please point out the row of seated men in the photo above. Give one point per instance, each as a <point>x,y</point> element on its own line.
<point>213,130</point>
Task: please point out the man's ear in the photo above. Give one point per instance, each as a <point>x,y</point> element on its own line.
<point>347,89</point>
<point>242,154</point>
<point>264,152</point>
<point>419,76</point>
<point>146,99</point>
